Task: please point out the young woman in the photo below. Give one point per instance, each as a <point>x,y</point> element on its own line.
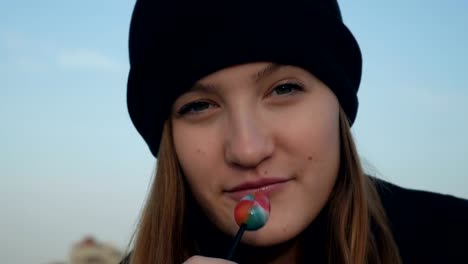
<point>259,97</point>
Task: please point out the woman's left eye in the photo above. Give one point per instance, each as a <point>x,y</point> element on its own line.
<point>195,107</point>
<point>287,88</point>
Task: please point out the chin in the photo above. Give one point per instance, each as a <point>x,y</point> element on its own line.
<point>270,236</point>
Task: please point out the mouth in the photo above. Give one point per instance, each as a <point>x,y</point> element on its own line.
<point>265,186</point>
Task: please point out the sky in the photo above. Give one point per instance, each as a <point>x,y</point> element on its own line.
<point>71,163</point>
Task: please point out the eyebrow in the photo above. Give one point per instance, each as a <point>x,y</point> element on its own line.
<point>267,71</point>
<point>256,77</point>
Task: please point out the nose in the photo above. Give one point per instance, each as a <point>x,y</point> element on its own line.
<point>248,142</point>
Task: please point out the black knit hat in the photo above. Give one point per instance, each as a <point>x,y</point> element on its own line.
<point>175,43</point>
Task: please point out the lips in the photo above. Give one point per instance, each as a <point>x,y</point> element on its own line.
<point>266,186</point>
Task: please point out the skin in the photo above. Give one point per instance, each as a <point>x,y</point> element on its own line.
<point>205,260</point>
<point>255,121</point>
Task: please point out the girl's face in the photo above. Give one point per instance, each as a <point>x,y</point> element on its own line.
<point>259,127</point>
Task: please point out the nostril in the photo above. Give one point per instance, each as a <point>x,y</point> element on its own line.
<point>245,160</point>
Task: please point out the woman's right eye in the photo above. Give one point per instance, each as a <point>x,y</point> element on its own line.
<point>194,107</point>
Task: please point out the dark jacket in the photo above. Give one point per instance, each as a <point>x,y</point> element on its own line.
<point>427,227</point>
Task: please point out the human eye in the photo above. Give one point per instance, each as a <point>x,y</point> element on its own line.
<point>194,107</point>
<point>287,88</point>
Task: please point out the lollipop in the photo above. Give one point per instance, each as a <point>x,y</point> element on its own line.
<point>251,213</point>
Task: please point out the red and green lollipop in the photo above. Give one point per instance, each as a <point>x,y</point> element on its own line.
<point>251,213</point>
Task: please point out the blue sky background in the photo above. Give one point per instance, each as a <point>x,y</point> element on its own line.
<point>71,163</point>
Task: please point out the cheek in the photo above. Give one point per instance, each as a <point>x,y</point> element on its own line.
<point>190,150</point>
<point>201,160</point>
<point>312,133</point>
<point>196,153</point>
<point>194,146</point>
<point>321,148</point>
<point>313,149</point>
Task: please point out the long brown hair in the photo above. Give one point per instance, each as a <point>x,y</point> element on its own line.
<point>358,228</point>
